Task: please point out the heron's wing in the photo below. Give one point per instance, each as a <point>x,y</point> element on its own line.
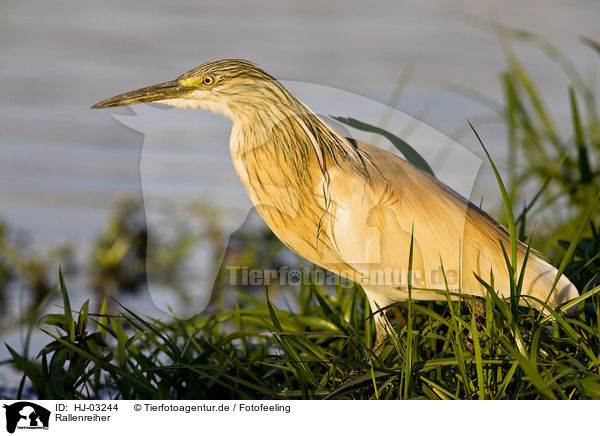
<point>373,224</point>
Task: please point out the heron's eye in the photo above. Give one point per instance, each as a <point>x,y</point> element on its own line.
<point>208,80</point>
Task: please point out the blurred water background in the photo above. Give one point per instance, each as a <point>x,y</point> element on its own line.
<point>62,165</point>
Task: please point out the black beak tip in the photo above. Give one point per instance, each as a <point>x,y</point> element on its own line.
<point>104,104</point>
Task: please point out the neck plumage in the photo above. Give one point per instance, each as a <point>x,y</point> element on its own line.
<point>282,132</point>
<point>282,152</point>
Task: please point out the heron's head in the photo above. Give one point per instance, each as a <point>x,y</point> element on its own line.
<point>229,87</point>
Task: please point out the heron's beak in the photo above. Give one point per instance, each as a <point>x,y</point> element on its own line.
<point>162,91</point>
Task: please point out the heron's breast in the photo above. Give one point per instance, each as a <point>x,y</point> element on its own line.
<point>291,210</point>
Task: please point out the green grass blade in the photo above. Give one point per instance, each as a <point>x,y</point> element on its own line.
<point>403,147</point>
<point>574,241</point>
<point>69,321</point>
<point>584,164</point>
<point>512,230</point>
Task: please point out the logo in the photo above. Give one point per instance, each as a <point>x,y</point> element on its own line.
<point>26,415</point>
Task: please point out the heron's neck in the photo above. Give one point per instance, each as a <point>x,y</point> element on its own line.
<point>263,132</point>
<point>274,158</point>
<point>288,144</point>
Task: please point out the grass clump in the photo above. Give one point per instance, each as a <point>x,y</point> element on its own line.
<point>321,350</point>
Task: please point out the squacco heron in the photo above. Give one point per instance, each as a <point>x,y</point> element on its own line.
<point>350,207</point>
